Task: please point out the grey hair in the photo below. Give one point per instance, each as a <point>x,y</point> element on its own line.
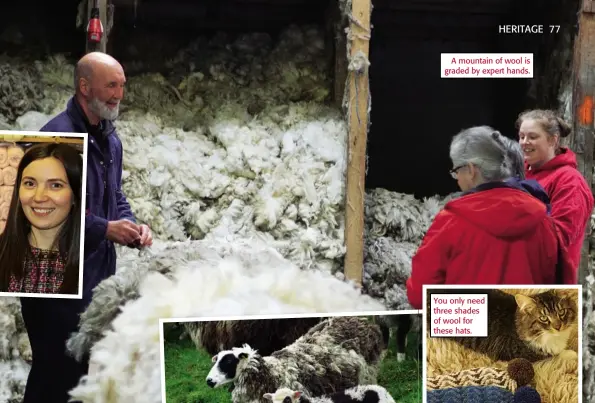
<point>483,147</point>
<point>516,157</point>
<point>81,70</point>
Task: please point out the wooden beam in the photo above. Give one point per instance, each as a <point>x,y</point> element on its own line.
<point>583,94</point>
<point>103,14</point>
<point>49,139</point>
<point>358,103</point>
<point>39,139</point>
<point>110,12</point>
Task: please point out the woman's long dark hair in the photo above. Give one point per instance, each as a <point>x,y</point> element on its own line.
<point>15,249</point>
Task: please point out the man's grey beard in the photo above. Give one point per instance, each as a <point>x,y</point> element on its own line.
<point>100,109</point>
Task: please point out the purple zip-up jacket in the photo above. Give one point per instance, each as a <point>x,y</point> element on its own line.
<point>104,175</point>
<point>51,321</point>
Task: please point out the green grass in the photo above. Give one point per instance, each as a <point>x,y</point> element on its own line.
<point>186,369</point>
<point>402,379</point>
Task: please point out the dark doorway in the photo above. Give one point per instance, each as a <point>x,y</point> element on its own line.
<point>415,113</point>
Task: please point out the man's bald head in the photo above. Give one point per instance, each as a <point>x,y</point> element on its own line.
<point>99,85</point>
<point>94,63</point>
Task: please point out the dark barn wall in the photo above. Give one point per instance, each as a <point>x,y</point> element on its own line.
<point>161,28</point>
<point>49,27</point>
<point>415,113</point>
<point>40,27</point>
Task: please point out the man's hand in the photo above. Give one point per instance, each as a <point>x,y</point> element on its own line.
<point>123,232</point>
<point>146,238</point>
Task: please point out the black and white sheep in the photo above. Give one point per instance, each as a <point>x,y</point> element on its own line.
<point>358,394</point>
<point>264,336</point>
<point>337,354</point>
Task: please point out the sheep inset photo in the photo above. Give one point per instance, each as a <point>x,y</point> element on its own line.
<point>530,351</point>
<point>41,213</point>
<point>367,358</point>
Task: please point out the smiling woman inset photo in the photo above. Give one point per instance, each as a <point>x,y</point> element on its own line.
<point>40,244</point>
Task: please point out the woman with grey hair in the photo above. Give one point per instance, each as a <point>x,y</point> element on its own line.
<point>496,232</point>
<point>515,154</point>
<point>481,156</point>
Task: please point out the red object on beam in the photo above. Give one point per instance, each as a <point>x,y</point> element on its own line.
<point>95,27</point>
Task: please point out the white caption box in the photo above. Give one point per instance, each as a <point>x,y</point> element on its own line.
<point>458,315</point>
<point>486,65</point>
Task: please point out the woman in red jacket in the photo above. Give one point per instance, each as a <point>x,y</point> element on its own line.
<point>496,232</point>
<point>555,168</point>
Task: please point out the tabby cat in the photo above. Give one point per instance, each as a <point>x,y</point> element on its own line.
<point>519,326</point>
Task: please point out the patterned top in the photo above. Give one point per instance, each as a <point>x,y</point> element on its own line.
<point>44,273</point>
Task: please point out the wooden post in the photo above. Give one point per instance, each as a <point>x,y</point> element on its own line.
<point>583,137</point>
<point>583,93</point>
<point>358,104</point>
<point>103,14</point>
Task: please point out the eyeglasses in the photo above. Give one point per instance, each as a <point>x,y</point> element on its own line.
<point>453,172</point>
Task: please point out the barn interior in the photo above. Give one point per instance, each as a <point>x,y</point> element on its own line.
<point>414,112</point>
<point>414,115</point>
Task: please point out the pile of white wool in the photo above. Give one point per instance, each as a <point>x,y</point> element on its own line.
<point>191,279</point>
<point>236,143</point>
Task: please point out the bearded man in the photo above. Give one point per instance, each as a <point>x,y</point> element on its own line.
<point>99,87</point>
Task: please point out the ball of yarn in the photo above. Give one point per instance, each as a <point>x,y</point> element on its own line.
<point>521,370</point>
<point>526,394</point>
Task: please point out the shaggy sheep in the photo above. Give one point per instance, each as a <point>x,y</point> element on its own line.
<point>108,298</point>
<point>336,354</point>
<point>110,295</point>
<point>358,394</point>
<point>265,336</point>
<point>404,324</point>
